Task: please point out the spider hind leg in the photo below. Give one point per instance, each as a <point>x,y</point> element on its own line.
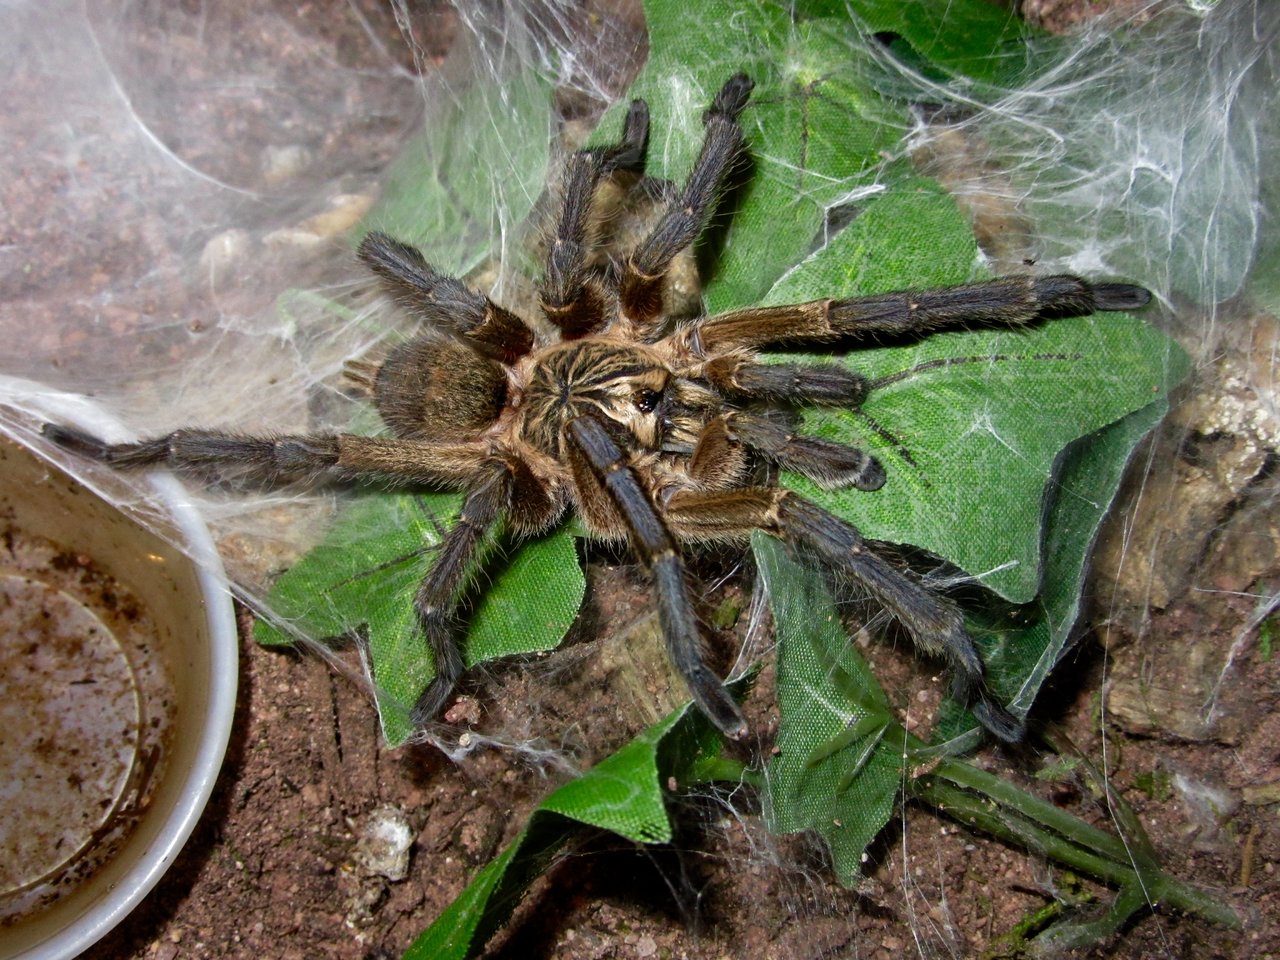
<point>935,624</point>
<point>603,460</point>
<point>271,460</point>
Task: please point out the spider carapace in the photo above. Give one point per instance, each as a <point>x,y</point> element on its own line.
<point>654,435</point>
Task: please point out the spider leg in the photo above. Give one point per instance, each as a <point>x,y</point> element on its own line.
<point>410,461</point>
<point>282,459</point>
<point>1010,301</point>
<point>641,285</point>
<point>569,301</point>
<point>718,458</point>
<point>445,301</point>
<point>935,624</point>
<point>824,384</point>
<point>828,464</point>
<point>658,549</point>
<point>437,598</point>
<point>290,458</point>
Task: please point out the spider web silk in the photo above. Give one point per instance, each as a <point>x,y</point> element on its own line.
<point>179,191</point>
<point>182,193</point>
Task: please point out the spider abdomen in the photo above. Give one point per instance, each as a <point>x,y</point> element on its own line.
<point>438,389</point>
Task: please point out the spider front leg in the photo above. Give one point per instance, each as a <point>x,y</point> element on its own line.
<point>830,465</point>
<point>935,624</point>
<point>822,384</point>
<point>645,270</point>
<point>608,469</point>
<point>569,300</point>
<point>1009,301</point>
<point>445,302</point>
<point>719,458</point>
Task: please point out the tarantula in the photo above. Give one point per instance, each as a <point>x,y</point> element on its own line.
<point>652,434</point>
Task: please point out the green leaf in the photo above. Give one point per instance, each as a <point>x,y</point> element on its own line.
<point>361,581</point>
<point>817,130</point>
<point>693,50</point>
<point>970,439</point>
<point>623,794</point>
<point>831,705</point>
<point>968,424</point>
<point>981,41</point>
<point>825,688</point>
<point>472,173</point>
<point>816,126</point>
<point>818,135</point>
<point>1083,490</point>
<point>1264,275</point>
<point>1022,645</point>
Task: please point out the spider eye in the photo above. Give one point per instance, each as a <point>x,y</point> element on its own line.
<point>647,400</point>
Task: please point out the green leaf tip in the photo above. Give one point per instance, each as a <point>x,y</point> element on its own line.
<point>624,794</point>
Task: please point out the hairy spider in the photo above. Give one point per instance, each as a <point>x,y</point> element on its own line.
<point>652,434</point>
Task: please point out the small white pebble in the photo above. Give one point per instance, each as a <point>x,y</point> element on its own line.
<point>384,842</point>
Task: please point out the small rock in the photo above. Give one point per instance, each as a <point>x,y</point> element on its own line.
<point>223,255</point>
<point>463,710</point>
<point>284,163</point>
<point>345,211</point>
<point>1143,709</point>
<point>1207,806</point>
<point>1257,762</point>
<point>383,846</point>
<point>1262,796</point>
